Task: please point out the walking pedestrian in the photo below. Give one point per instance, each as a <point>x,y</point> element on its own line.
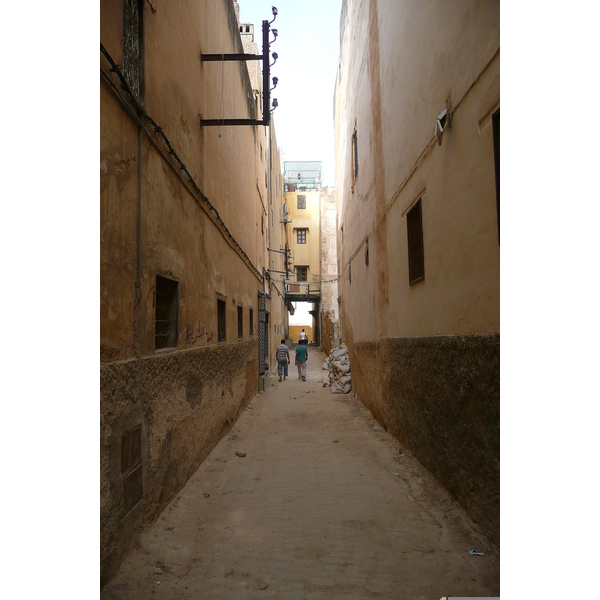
<point>303,336</point>
<point>301,359</point>
<point>283,359</point>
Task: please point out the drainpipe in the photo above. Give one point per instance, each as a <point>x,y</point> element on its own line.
<point>137,312</point>
<point>139,211</point>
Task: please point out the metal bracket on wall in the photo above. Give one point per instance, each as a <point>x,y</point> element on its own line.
<point>265,57</point>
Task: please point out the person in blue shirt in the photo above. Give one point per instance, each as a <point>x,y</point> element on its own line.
<point>301,359</point>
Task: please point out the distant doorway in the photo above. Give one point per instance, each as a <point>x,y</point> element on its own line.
<point>305,318</point>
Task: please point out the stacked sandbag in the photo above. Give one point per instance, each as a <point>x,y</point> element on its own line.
<point>338,365</point>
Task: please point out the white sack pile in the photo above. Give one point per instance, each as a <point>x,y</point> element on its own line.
<point>338,365</point>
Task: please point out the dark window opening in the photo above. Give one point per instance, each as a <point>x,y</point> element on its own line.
<point>240,323</point>
<point>496,129</point>
<point>354,157</point>
<point>133,34</point>
<point>251,322</point>
<point>165,313</point>
<point>301,236</point>
<point>301,273</point>
<point>416,258</point>
<point>222,320</point>
<point>247,28</point>
<point>301,201</point>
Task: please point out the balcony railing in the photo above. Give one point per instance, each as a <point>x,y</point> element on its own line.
<point>304,288</point>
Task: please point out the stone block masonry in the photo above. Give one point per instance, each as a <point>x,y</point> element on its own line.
<point>184,408</point>
<point>440,397</point>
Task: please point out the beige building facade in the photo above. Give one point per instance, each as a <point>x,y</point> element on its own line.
<point>302,189</point>
<point>417,191</point>
<point>185,226</point>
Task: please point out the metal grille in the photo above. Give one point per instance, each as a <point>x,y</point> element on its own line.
<point>301,201</point>
<point>132,47</point>
<point>262,338</point>
<point>301,236</point>
<point>304,175</point>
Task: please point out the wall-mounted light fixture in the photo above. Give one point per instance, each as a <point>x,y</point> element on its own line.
<point>443,122</point>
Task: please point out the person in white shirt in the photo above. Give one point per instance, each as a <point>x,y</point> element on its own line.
<point>303,336</point>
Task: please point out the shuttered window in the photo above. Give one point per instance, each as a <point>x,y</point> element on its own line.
<point>301,201</point>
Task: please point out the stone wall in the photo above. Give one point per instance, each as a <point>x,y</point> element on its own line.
<point>330,331</point>
<point>205,230</point>
<point>440,397</point>
<point>179,400</point>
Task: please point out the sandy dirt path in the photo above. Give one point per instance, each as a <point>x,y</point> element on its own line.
<point>324,505</point>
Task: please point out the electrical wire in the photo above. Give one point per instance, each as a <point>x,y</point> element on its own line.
<point>142,113</point>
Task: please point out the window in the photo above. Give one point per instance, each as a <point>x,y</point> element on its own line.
<point>301,201</point>
<point>251,322</point>
<point>133,31</point>
<point>262,223</point>
<point>416,260</point>
<point>301,273</point>
<point>301,233</point>
<point>165,313</point>
<point>222,320</point>
<point>496,130</point>
<point>240,323</point>
<point>354,157</point>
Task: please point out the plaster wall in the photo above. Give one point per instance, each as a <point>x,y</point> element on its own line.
<point>186,397</point>
<point>431,348</point>
<point>415,59</point>
<point>329,270</point>
<point>276,241</point>
<point>328,251</point>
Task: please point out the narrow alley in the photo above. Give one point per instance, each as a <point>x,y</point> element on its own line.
<point>322,504</point>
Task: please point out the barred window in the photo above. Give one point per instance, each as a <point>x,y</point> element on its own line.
<point>302,201</point>
<point>301,233</point>
<point>133,30</point>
